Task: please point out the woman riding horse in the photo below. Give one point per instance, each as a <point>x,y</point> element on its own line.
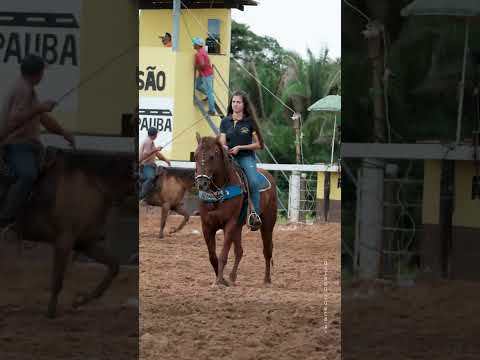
<point>241,136</point>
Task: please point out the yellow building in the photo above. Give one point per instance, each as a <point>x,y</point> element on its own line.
<point>85,76</point>
<point>465,220</point>
<point>449,245</point>
<point>329,194</point>
<point>166,75</point>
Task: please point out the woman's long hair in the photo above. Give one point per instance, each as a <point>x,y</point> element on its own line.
<point>248,112</point>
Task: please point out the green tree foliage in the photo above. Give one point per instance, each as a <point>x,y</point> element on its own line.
<point>297,81</point>
<point>424,53</point>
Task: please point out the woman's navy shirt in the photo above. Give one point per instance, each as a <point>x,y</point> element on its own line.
<point>239,134</point>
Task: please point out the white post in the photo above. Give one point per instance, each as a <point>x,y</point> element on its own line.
<point>371,218</point>
<point>294,197</point>
<point>357,222</point>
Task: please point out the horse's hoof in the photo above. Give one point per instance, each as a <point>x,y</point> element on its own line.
<point>267,281</point>
<point>51,313</point>
<point>80,299</point>
<point>160,236</point>
<point>233,279</point>
<point>222,282</point>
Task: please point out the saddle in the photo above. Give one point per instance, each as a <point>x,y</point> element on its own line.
<point>266,185</point>
<point>160,170</point>
<point>7,177</point>
<point>248,205</point>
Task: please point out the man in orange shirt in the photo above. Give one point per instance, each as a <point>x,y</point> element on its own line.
<point>204,81</point>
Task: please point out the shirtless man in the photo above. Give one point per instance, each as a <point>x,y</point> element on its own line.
<point>21,118</point>
<point>147,155</point>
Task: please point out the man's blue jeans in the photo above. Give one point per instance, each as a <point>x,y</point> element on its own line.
<point>23,160</point>
<point>205,86</point>
<point>249,165</point>
<point>148,173</point>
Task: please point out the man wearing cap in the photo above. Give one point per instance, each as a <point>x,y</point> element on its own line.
<point>166,40</point>
<point>146,158</point>
<point>20,118</point>
<point>204,81</point>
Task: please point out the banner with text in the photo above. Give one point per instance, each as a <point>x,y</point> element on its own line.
<point>156,112</point>
<point>26,28</point>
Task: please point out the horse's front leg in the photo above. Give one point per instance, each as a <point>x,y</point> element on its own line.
<point>227,243</point>
<point>237,242</point>
<point>209,236</point>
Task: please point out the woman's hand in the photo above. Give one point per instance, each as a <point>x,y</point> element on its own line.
<point>234,150</point>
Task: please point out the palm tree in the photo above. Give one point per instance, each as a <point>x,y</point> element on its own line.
<point>304,82</point>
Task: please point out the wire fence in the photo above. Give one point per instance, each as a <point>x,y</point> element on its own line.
<point>307,203</point>
<point>402,220</point>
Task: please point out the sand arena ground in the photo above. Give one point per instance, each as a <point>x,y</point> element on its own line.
<point>182,316</point>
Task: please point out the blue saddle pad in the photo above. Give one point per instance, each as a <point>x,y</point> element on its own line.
<point>228,192</point>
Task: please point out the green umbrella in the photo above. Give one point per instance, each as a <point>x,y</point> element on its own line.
<point>330,103</point>
<point>453,8</point>
<point>461,8</point>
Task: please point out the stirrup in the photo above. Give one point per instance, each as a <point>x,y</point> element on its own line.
<point>254,221</point>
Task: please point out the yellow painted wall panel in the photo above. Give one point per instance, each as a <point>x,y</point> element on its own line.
<point>178,67</point>
<point>335,192</point>
<point>466,211</point>
<point>110,93</point>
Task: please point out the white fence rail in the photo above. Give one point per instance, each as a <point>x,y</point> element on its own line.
<point>296,191</point>
<point>274,167</point>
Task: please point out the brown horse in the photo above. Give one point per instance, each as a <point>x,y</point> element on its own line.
<point>214,170</point>
<point>69,207</point>
<point>169,191</point>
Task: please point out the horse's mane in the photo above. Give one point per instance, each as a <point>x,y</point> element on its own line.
<point>99,163</point>
<point>211,141</point>
<point>181,173</point>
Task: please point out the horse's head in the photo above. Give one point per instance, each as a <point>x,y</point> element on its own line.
<point>211,162</point>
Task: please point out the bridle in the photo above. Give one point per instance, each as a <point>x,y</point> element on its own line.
<point>209,179</point>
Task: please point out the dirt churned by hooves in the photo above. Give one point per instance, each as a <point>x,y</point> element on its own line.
<point>183,315</point>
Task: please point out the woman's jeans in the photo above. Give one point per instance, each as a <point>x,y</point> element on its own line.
<point>148,173</point>
<point>249,165</point>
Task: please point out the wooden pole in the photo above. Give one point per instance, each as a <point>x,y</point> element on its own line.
<point>373,33</point>
<point>462,82</point>
<point>296,126</point>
